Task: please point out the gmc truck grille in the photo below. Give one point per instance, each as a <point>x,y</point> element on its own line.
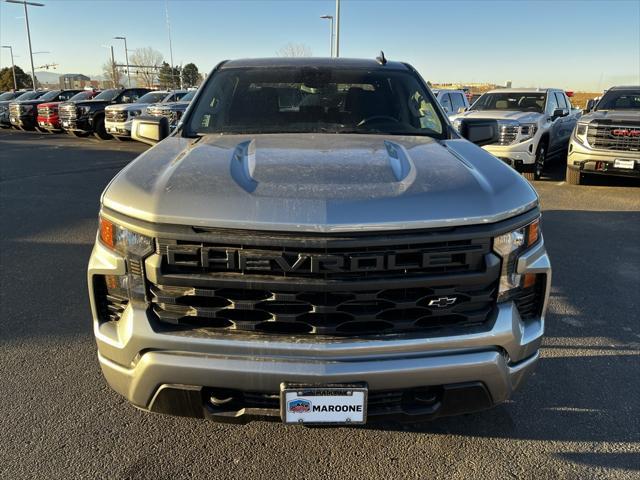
<point>353,287</point>
<point>44,111</point>
<point>67,112</point>
<point>614,137</point>
<point>116,116</point>
<point>14,110</point>
<point>171,115</point>
<point>508,134</point>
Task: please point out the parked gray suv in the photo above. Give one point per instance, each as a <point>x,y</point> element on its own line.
<point>315,243</point>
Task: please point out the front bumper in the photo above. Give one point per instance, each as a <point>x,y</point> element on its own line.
<point>118,129</point>
<point>83,125</point>
<point>24,121</point>
<point>521,156</point>
<point>603,162</point>
<point>51,122</point>
<point>172,372</point>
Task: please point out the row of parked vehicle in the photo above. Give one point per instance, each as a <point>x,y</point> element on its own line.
<point>534,124</point>
<point>106,114</point>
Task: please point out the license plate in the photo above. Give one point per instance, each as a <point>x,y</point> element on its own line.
<point>113,129</point>
<point>65,124</point>
<point>12,119</point>
<point>331,404</point>
<point>626,164</point>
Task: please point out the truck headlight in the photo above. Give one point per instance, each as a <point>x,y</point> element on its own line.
<point>134,247</point>
<point>84,110</point>
<point>509,246</point>
<point>527,131</point>
<point>134,113</point>
<point>581,132</point>
<point>456,124</point>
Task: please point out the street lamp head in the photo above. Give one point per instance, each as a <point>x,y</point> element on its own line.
<point>119,38</point>
<point>327,17</point>
<point>21,2</point>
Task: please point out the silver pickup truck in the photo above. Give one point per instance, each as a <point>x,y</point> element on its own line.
<point>315,243</point>
<point>535,124</point>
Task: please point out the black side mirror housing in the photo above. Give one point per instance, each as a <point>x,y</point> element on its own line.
<point>480,131</point>
<point>559,112</point>
<point>150,130</point>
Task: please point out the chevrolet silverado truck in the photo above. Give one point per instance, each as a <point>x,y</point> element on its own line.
<point>344,258</point>
<point>5,106</point>
<point>606,141</point>
<point>86,117</point>
<point>173,111</point>
<point>48,119</point>
<point>118,118</point>
<point>535,124</point>
<point>24,113</point>
<point>5,99</point>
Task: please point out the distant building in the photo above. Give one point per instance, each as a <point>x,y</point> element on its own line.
<point>74,81</point>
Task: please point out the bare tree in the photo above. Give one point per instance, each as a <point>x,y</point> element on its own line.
<point>294,50</point>
<point>111,73</point>
<point>145,64</point>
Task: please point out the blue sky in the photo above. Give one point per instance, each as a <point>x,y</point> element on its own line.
<point>580,45</point>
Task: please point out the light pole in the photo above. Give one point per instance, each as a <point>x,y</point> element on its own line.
<point>337,50</point>
<point>13,67</point>
<point>26,18</point>
<point>113,66</point>
<point>329,17</point>
<point>166,9</point>
<point>126,58</point>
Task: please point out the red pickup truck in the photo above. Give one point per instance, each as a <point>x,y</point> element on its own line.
<point>48,119</point>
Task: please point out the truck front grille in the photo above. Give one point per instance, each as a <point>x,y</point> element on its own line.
<point>44,112</point>
<point>116,116</point>
<point>508,134</point>
<point>67,112</point>
<point>614,137</point>
<point>171,115</point>
<point>14,110</point>
<point>356,286</point>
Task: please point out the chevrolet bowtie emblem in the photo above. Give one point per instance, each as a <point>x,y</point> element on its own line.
<point>442,302</point>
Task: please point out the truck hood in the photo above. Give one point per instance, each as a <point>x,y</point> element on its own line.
<point>612,116</point>
<point>127,107</point>
<point>318,183</point>
<point>522,117</point>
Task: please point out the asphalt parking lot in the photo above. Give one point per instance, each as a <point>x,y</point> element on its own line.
<point>578,417</point>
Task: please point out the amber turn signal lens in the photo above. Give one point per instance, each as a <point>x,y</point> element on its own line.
<point>106,232</point>
<point>529,280</point>
<point>533,231</point>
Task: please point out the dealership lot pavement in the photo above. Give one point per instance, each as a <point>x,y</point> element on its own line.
<point>577,417</point>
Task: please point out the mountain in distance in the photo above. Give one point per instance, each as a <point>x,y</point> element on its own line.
<point>47,77</point>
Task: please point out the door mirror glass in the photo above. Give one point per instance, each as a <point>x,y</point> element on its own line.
<point>150,130</point>
<point>480,131</point>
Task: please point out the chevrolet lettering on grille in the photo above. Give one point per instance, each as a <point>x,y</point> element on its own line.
<point>230,259</point>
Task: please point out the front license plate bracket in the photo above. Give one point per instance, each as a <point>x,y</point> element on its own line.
<point>332,404</point>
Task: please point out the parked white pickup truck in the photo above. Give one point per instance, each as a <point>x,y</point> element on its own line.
<point>533,124</point>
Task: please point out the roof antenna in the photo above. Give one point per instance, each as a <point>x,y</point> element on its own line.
<point>381,59</point>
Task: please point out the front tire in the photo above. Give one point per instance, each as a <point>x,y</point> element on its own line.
<point>573,177</point>
<point>541,158</point>
<point>101,132</point>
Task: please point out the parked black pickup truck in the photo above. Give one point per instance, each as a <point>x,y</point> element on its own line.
<point>23,114</point>
<point>86,117</point>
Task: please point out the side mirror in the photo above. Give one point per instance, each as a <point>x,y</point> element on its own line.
<point>150,130</point>
<point>480,131</point>
<point>557,113</point>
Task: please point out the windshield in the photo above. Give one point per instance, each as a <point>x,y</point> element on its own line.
<point>189,96</point>
<point>82,96</point>
<point>108,94</point>
<point>312,99</point>
<point>152,97</point>
<point>620,100</point>
<point>520,102</point>
<point>7,96</point>
<point>30,95</point>
<point>50,95</point>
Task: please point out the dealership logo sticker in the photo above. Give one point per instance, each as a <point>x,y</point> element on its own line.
<point>299,406</point>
